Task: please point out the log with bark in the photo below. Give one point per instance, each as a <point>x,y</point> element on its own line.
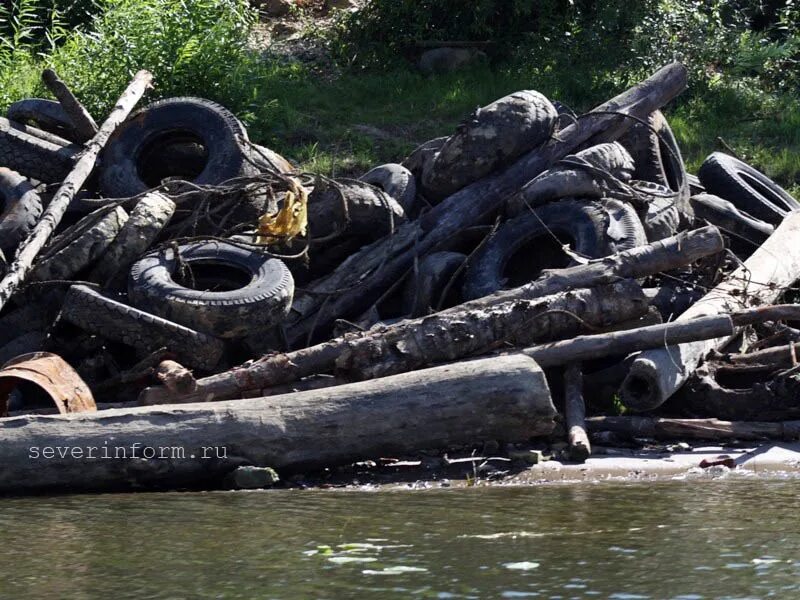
<point>657,374</point>
<point>82,121</point>
<point>33,244</point>
<point>358,282</point>
<point>502,398</point>
<point>417,343</point>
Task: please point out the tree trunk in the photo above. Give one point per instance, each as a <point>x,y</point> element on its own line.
<point>83,122</point>
<point>657,374</point>
<point>421,342</point>
<point>575,413</point>
<point>588,347</point>
<point>360,280</point>
<point>502,398</point>
<point>694,429</point>
<point>30,247</point>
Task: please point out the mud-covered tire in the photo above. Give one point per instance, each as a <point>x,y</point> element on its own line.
<point>730,219</point>
<point>47,115</point>
<point>695,185</point>
<point>625,228</point>
<point>80,245</point>
<point>258,295</point>
<point>267,159</point>
<point>146,220</point>
<point>658,159</point>
<point>132,161</point>
<point>611,157</point>
<point>662,219</point>
<point>395,180</point>
<point>352,209</point>
<point>491,137</point>
<point>422,155</point>
<point>33,156</point>
<point>21,208</point>
<point>113,320</point>
<point>582,224</point>
<point>747,188</point>
<point>425,288</point>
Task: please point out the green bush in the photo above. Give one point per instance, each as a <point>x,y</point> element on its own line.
<point>191,47</point>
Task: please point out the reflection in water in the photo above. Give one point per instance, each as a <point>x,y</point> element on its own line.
<point>687,540</point>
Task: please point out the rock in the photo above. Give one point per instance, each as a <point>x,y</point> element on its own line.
<point>341,4</point>
<point>283,29</point>
<point>447,60</point>
<point>253,478</point>
<point>275,8</point>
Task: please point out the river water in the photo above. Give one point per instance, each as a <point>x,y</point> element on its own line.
<point>682,540</point>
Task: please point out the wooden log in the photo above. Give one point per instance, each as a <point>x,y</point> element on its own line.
<point>359,281</point>
<point>587,347</point>
<point>84,124</point>
<point>502,398</point>
<point>33,244</point>
<point>417,343</point>
<point>657,374</point>
<point>575,413</point>
<point>694,429</point>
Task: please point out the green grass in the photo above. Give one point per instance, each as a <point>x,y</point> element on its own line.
<point>343,123</point>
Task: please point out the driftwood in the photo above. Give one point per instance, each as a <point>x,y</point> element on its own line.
<point>429,340</point>
<point>694,429</point>
<point>502,398</point>
<point>30,248</point>
<point>575,413</point>
<point>82,121</point>
<point>587,347</point>
<point>657,374</point>
<point>359,281</point>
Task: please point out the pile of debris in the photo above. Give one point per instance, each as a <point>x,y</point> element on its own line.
<point>428,304</point>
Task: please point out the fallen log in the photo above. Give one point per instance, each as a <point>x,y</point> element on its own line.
<point>359,281</point>
<point>82,121</point>
<point>33,244</point>
<point>657,374</point>
<point>502,398</point>
<point>417,343</point>
<point>694,429</point>
<point>575,414</point>
<point>587,347</point>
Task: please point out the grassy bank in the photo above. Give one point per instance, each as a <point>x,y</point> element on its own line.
<point>342,121</point>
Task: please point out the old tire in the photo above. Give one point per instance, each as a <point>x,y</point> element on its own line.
<point>133,160</point>
<point>658,159</point>
<point>625,228</point>
<point>147,219</point>
<point>113,320</point>
<point>611,157</point>
<point>47,115</point>
<point>491,137</point>
<point>522,247</point>
<point>424,290</point>
<point>352,209</point>
<point>34,156</point>
<point>80,245</point>
<point>249,292</point>
<point>21,208</point>
<point>395,180</point>
<point>747,188</point>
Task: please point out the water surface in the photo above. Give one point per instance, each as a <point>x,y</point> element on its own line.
<point>683,540</point>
